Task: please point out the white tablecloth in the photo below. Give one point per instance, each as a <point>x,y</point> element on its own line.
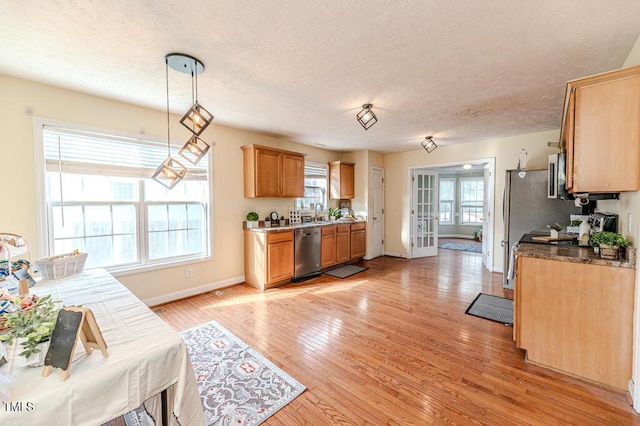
<point>146,356</point>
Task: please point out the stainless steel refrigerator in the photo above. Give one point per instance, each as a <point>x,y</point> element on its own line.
<point>526,208</point>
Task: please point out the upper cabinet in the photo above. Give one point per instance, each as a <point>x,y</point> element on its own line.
<point>601,132</point>
<point>271,172</point>
<point>341,180</point>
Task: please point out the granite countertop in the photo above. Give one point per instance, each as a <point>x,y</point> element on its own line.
<point>288,226</point>
<point>575,254</point>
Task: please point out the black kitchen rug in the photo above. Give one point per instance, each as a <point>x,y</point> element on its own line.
<point>345,271</point>
<point>493,308</point>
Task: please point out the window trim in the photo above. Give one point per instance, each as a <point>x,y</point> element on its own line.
<point>43,226</point>
<point>325,203</point>
<point>463,205</point>
<point>452,202</point>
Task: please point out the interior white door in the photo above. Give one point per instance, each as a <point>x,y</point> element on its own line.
<point>487,221</point>
<point>377,220</point>
<point>424,213</point>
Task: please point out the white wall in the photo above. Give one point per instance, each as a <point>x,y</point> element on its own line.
<point>18,212</point>
<point>505,151</point>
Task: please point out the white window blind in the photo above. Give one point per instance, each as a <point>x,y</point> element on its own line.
<point>100,199</point>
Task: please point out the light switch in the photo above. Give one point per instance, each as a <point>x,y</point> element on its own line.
<point>629,222</point>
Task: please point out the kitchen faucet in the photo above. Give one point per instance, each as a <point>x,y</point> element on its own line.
<point>315,211</point>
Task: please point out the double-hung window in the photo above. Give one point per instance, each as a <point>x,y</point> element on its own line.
<point>315,186</point>
<point>99,199</point>
<point>471,201</point>
<point>447,197</point>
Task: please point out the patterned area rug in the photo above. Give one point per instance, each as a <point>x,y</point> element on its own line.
<point>345,271</point>
<point>237,385</point>
<point>464,247</point>
<point>493,308</point>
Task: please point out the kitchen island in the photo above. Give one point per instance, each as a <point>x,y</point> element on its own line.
<point>573,312</point>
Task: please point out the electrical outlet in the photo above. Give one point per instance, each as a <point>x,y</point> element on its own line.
<point>188,273</point>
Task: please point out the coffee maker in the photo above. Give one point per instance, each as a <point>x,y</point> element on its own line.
<point>603,221</point>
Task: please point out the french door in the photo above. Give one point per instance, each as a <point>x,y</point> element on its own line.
<point>424,213</point>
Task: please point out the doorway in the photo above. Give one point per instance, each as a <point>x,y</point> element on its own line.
<point>428,211</point>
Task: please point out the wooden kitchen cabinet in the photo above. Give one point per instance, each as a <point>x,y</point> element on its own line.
<point>576,318</point>
<point>328,248</point>
<point>341,180</point>
<point>343,243</point>
<point>600,132</point>
<point>268,258</point>
<point>358,243</point>
<point>270,172</point>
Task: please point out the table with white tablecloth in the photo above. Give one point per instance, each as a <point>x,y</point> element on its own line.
<point>146,357</point>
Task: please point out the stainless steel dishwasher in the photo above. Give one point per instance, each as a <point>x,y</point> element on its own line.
<point>307,253</point>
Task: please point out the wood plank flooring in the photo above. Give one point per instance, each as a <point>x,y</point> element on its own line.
<point>393,346</point>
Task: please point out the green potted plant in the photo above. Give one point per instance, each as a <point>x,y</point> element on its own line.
<point>267,222</point>
<point>334,213</point>
<point>29,328</point>
<point>609,243</point>
<point>252,220</point>
<point>282,221</point>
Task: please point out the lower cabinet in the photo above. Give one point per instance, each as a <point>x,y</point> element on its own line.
<point>343,246</point>
<point>328,248</point>
<point>358,240</point>
<point>576,318</point>
<point>268,258</point>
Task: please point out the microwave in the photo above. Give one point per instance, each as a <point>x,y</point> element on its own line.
<point>557,177</point>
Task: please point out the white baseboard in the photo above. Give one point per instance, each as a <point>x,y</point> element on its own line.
<point>498,269</point>
<point>193,291</point>
<point>466,237</point>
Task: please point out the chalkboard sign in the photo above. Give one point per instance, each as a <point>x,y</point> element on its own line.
<point>63,339</point>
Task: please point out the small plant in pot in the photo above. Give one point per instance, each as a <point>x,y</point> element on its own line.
<point>334,213</point>
<point>609,243</point>
<point>282,221</point>
<point>28,327</point>
<point>252,220</point>
<point>267,222</point>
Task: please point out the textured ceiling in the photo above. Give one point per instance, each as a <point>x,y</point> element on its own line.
<point>460,70</point>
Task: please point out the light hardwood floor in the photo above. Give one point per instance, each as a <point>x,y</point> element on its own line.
<point>393,346</point>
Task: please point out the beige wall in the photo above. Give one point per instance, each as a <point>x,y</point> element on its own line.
<point>18,214</point>
<point>505,151</point>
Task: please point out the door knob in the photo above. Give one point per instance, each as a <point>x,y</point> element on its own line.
<point>375,218</point>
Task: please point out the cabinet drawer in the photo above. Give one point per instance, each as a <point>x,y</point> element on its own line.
<point>358,226</point>
<point>328,230</point>
<point>343,228</point>
<point>276,237</point>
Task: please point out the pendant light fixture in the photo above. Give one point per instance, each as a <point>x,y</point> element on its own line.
<point>366,117</point>
<point>171,171</point>
<point>428,144</point>
<point>197,118</point>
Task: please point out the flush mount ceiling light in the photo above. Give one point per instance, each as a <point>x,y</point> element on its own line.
<point>428,144</point>
<point>366,117</point>
<point>467,166</point>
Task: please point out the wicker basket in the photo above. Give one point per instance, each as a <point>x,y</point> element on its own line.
<point>609,253</point>
<point>55,267</point>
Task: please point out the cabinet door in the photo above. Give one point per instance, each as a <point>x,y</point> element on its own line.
<point>568,140</point>
<point>267,173</point>
<point>292,175</point>
<point>343,250</point>
<point>347,181</point>
<point>328,250</point>
<point>358,243</point>
<point>341,180</point>
<point>279,261</point>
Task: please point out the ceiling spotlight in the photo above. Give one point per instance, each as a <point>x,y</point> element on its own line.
<point>366,117</point>
<point>428,144</point>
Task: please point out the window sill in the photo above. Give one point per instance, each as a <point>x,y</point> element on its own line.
<point>134,270</point>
